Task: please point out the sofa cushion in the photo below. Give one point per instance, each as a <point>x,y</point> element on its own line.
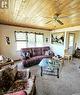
<point>26,49</point>
<point>26,55</point>
<point>37,51</point>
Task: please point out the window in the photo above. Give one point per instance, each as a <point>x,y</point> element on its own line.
<point>21,40</point>
<point>20,36</point>
<point>39,40</point>
<point>24,39</point>
<point>31,39</point>
<point>71,43</point>
<point>71,40</point>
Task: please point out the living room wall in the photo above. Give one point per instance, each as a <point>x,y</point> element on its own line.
<point>9,50</point>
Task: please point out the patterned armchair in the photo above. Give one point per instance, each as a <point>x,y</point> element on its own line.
<point>13,82</point>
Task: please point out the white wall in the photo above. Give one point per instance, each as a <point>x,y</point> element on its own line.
<point>58,49</point>
<point>10,50</point>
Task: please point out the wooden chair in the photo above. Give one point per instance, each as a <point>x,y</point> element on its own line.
<point>67,55</point>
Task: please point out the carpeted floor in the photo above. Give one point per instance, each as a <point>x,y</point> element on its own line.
<point>67,84</point>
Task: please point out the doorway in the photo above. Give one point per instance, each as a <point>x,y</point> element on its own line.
<point>71,43</point>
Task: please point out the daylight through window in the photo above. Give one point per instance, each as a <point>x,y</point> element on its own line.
<point>24,40</point>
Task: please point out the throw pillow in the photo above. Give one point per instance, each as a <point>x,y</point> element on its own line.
<point>49,52</point>
<point>46,52</point>
<point>27,54</point>
<point>20,75</point>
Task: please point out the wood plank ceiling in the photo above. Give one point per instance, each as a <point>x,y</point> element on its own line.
<point>37,13</point>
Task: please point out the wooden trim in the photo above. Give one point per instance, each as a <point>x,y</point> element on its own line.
<point>33,27</point>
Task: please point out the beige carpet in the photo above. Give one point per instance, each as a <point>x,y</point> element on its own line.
<point>67,84</point>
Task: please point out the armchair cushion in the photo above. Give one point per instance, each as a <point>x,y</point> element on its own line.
<point>18,85</point>
<point>17,93</point>
<point>23,74</point>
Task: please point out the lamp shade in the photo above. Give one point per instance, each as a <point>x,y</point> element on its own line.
<point>44,62</point>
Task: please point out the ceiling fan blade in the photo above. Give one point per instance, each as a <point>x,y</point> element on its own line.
<point>48,22</point>
<point>60,22</point>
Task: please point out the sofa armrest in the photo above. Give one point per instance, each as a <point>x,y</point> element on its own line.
<point>31,88</point>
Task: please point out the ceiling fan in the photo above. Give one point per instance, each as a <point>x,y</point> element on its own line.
<point>55,18</point>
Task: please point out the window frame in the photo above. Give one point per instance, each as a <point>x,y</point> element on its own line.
<point>26,38</point>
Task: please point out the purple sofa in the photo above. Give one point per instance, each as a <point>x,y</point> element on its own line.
<point>32,56</point>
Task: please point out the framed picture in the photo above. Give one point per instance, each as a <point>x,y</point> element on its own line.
<point>46,40</point>
<point>7,40</point>
<point>57,38</point>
